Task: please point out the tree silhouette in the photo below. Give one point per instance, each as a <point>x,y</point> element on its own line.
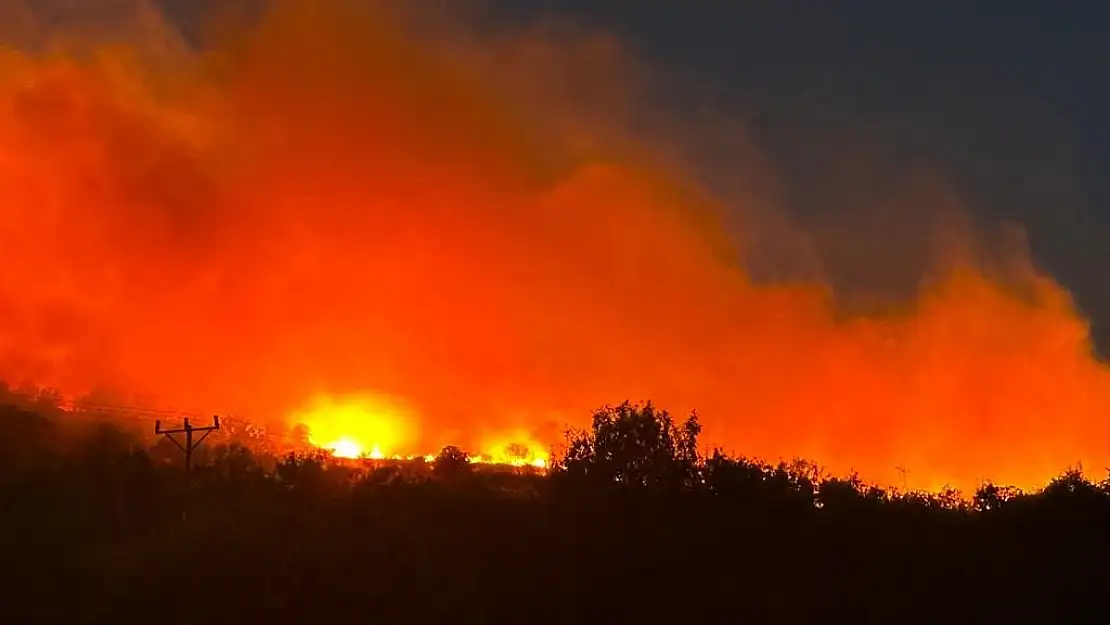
<point>235,465</point>
<point>303,471</point>
<point>451,463</point>
<point>992,497</point>
<point>746,481</point>
<point>838,494</point>
<point>634,445</point>
<point>30,439</point>
<point>92,515</point>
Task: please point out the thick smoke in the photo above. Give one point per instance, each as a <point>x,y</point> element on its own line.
<point>495,225</point>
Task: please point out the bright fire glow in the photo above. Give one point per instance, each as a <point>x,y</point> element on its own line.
<point>364,426</point>
<point>357,426</point>
<point>353,429</point>
<point>344,448</point>
<point>518,451</point>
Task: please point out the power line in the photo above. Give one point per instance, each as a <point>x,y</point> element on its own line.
<point>82,410</point>
<point>129,412</point>
<point>93,406</point>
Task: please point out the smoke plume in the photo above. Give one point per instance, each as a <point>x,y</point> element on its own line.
<point>497,225</point>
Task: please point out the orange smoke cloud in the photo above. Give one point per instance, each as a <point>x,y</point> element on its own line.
<point>341,199</point>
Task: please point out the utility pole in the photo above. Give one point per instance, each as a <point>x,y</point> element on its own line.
<point>187,429</point>
<point>903,470</point>
<point>190,444</point>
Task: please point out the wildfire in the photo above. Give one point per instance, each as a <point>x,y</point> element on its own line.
<point>485,226</point>
<point>518,451</point>
<point>370,427</point>
<point>359,426</point>
<point>349,448</point>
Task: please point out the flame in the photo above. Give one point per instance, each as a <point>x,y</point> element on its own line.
<point>344,448</point>
<point>518,450</point>
<point>340,199</point>
<point>357,426</point>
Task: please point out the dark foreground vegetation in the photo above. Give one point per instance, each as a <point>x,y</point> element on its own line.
<point>631,526</point>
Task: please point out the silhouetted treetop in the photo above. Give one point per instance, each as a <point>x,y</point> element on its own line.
<point>634,445</point>
<point>93,514</point>
<point>451,463</point>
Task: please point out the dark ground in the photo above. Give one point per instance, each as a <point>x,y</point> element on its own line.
<point>630,526</point>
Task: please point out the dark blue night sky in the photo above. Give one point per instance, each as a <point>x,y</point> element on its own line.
<point>1009,99</point>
